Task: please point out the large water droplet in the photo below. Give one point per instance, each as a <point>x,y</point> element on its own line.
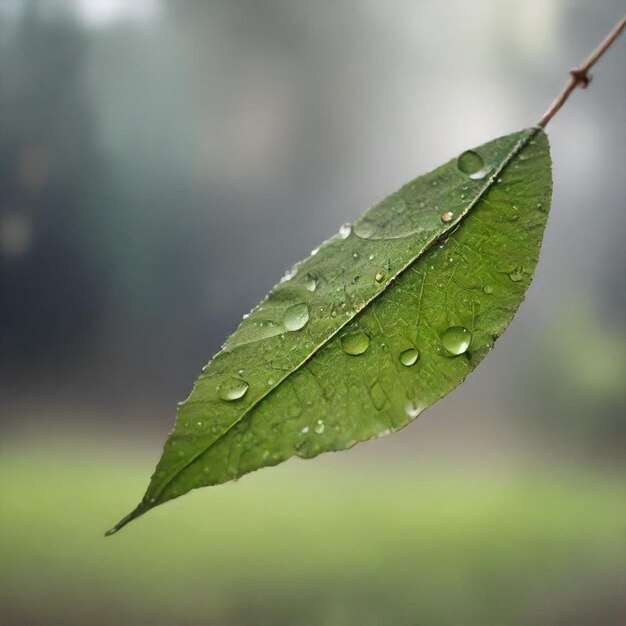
<point>296,317</point>
<point>456,340</point>
<point>409,357</point>
<point>355,342</point>
<point>232,389</point>
<point>311,282</point>
<point>470,162</point>
<point>319,427</point>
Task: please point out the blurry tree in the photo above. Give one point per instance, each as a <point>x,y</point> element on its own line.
<point>50,284</point>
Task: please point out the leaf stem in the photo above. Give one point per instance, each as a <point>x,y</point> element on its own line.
<point>580,75</point>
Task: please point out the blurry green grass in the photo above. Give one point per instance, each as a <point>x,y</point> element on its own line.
<point>308,543</point>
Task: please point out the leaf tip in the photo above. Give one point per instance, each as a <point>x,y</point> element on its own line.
<point>134,514</point>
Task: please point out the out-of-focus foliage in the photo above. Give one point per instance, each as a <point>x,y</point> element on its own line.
<point>589,390</point>
<point>403,547</point>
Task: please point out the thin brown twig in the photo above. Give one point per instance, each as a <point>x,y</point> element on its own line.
<point>580,75</point>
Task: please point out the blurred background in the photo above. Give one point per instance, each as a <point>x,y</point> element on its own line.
<point>161,164</point>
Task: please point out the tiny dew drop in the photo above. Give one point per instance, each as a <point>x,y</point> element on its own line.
<point>311,282</point>
<point>413,409</point>
<point>355,342</point>
<point>409,357</point>
<point>470,162</point>
<point>456,340</point>
<point>289,274</point>
<point>516,275</point>
<point>380,276</point>
<point>319,427</point>
<point>447,216</point>
<point>232,389</point>
<point>345,230</point>
<point>296,317</point>
<point>488,289</point>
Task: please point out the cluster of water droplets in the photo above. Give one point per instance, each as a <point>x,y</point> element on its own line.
<point>355,342</point>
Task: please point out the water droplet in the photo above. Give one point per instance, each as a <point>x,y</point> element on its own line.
<point>377,395</point>
<point>488,289</point>
<point>355,342</point>
<point>355,255</point>
<point>270,382</point>
<point>409,357</point>
<point>232,389</point>
<point>319,427</point>
<point>413,409</point>
<point>311,282</point>
<point>470,162</point>
<point>241,372</point>
<point>345,230</point>
<point>268,324</point>
<point>371,257</point>
<point>447,216</point>
<point>296,317</point>
<point>305,430</point>
<point>456,340</point>
<point>380,276</point>
<point>516,275</point>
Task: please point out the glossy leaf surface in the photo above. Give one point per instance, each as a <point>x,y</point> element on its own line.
<point>380,322</point>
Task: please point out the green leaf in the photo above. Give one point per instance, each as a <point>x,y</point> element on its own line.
<point>379,323</point>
